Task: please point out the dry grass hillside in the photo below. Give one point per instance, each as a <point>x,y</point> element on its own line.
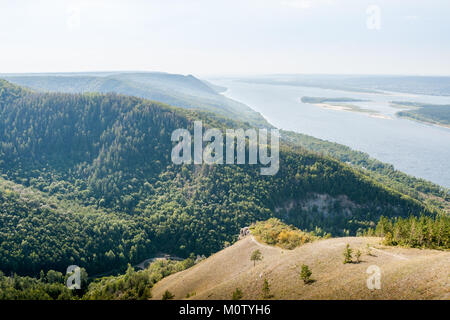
<point>405,273</point>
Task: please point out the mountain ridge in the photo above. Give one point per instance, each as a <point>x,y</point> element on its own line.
<point>173,89</point>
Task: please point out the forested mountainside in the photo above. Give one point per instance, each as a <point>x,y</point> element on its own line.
<point>384,173</point>
<point>189,92</point>
<point>87,178</point>
<point>173,89</point>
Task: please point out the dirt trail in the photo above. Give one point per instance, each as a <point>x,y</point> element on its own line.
<point>262,245</point>
<point>390,254</point>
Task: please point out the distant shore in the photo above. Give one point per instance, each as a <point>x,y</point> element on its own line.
<point>437,124</point>
<point>432,114</point>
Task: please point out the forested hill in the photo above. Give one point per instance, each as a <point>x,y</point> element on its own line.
<point>191,93</point>
<point>174,89</point>
<point>87,180</point>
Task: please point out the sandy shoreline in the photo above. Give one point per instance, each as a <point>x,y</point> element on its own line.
<point>380,116</point>
<point>332,107</point>
<point>351,109</point>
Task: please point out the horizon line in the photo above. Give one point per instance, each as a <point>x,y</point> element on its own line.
<point>219,74</point>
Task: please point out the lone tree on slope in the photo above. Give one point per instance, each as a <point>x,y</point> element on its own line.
<point>256,256</point>
<point>347,254</point>
<point>305,274</point>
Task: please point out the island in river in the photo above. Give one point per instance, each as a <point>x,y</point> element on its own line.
<point>436,114</point>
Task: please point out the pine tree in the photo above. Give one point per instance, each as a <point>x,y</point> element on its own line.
<point>347,254</point>
<point>305,274</point>
<point>388,239</point>
<point>266,289</point>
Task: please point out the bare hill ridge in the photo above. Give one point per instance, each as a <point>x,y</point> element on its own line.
<point>405,273</point>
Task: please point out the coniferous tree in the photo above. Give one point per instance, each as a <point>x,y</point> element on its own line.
<point>347,254</point>
<point>266,289</point>
<point>305,274</point>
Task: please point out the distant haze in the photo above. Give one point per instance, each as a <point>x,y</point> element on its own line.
<point>207,37</point>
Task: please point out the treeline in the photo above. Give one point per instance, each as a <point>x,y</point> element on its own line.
<point>415,232</point>
<point>429,114</point>
<point>135,285</point>
<point>132,285</point>
<point>49,286</point>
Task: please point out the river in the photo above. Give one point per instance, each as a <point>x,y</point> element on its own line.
<point>418,149</point>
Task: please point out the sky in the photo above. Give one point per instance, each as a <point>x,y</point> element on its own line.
<point>226,37</point>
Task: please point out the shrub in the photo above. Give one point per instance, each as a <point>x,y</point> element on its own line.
<point>347,254</point>
<point>305,274</point>
<point>358,256</point>
<point>266,289</point>
<point>275,232</point>
<point>168,295</point>
<point>237,294</point>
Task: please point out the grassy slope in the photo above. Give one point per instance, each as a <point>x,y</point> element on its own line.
<point>406,273</point>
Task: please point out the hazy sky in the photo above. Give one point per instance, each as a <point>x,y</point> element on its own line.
<point>227,37</point>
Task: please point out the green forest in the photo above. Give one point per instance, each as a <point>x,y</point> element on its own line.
<point>132,285</point>
<point>86,179</point>
<point>415,232</point>
<point>194,94</point>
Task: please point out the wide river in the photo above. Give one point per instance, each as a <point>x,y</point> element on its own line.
<point>418,149</point>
